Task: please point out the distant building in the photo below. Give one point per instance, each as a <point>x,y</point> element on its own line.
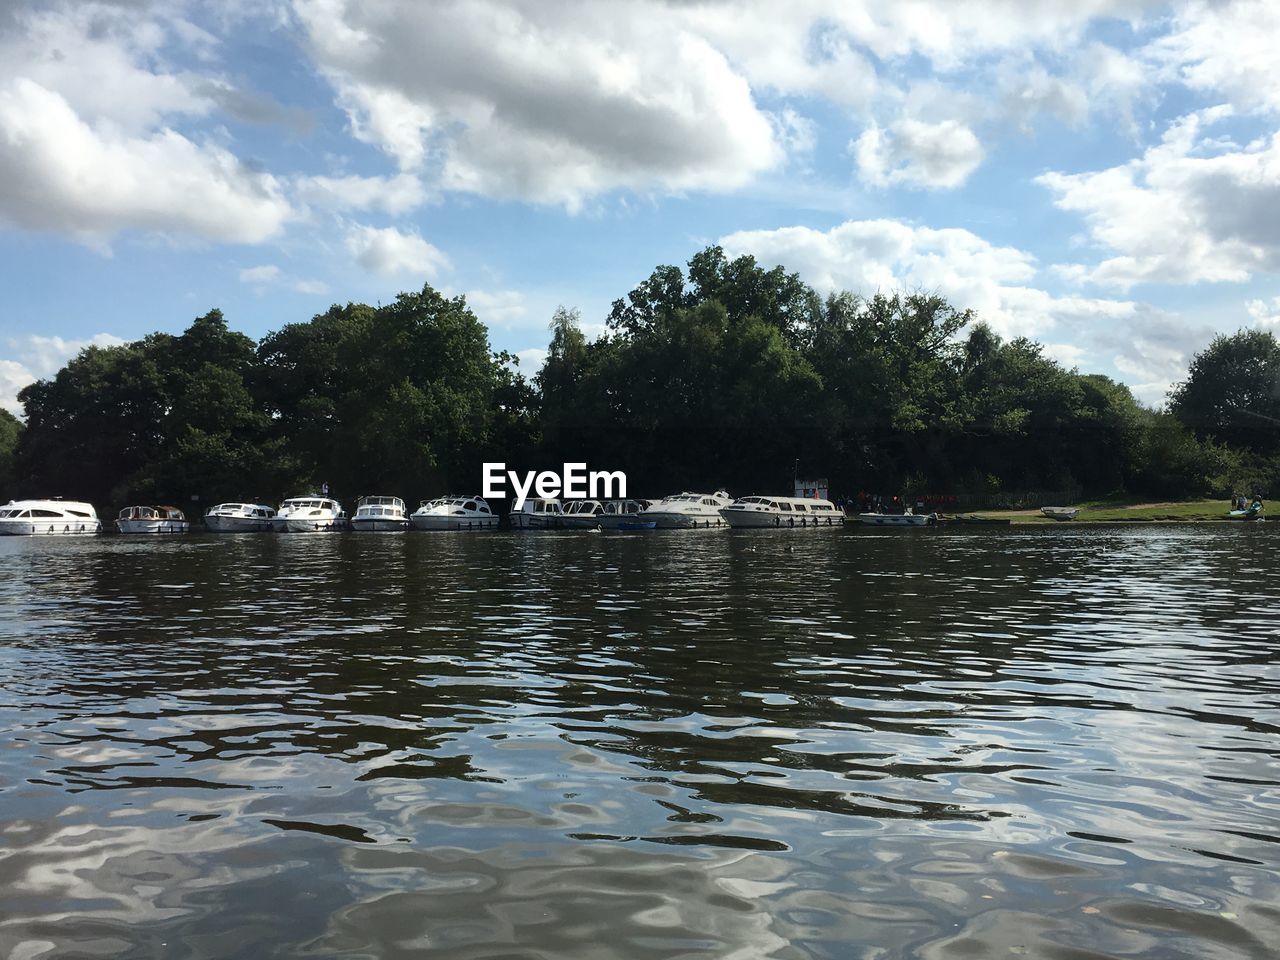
<point>814,489</point>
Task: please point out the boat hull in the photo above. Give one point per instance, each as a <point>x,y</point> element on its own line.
<point>379,525</point>
<point>664,520</point>
<point>435,522</point>
<point>525,521</point>
<point>767,520</point>
<point>309,525</point>
<point>1060,513</point>
<point>153,526</point>
<point>897,519</point>
<point>623,521</point>
<point>50,528</point>
<point>237,525</point>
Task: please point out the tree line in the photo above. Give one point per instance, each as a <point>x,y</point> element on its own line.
<point>721,374</point>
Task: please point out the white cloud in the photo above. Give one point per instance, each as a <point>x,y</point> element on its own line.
<point>58,173</point>
<point>1226,49</point>
<point>263,274</point>
<point>531,360</point>
<point>1265,313</point>
<point>552,102</point>
<point>916,153</point>
<point>269,273</point>
<point>387,250</point>
<point>1190,209</point>
<point>500,308</point>
<point>85,143</point>
<point>394,195</point>
<point>40,357</point>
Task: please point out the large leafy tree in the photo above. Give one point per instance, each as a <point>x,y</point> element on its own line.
<point>1232,392</point>
<point>10,429</point>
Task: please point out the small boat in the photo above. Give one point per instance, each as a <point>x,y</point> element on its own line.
<point>898,519</point>
<point>778,512</point>
<point>636,524</point>
<point>310,515</point>
<point>544,513</point>
<point>385,514</point>
<point>583,515</point>
<point>625,515</point>
<point>239,518</point>
<point>53,517</point>
<point>1060,513</point>
<point>687,511</point>
<point>157,519</point>
<point>454,513</point>
<point>1251,512</point>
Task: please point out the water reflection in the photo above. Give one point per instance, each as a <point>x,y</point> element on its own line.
<point>1054,743</point>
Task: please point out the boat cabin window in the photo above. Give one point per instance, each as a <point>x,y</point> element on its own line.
<point>79,513</point>
<point>483,507</point>
<point>24,513</point>
<point>44,513</point>
<point>801,508</point>
<point>785,507</point>
<point>469,505</point>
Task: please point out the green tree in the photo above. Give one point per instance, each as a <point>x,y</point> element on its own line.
<point>10,430</point>
<point>1232,392</point>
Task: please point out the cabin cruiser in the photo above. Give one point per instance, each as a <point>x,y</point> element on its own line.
<point>782,512</point>
<point>309,515</point>
<point>239,518</point>
<point>898,519</point>
<point>27,518</point>
<point>583,514</point>
<point>687,510</point>
<point>543,513</point>
<point>624,515</point>
<point>380,513</point>
<point>455,513</point>
<point>158,519</point>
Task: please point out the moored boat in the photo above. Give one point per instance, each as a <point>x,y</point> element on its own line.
<point>778,512</point>
<point>544,513</point>
<point>152,519</point>
<point>384,514</point>
<point>898,519</point>
<point>310,515</point>
<point>1060,513</point>
<point>687,511</point>
<point>625,515</point>
<point>583,515</point>
<point>54,517</point>
<point>454,513</point>
<point>239,518</point>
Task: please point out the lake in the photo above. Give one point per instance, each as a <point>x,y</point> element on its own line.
<point>1039,742</point>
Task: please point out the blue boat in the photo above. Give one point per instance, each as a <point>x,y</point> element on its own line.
<point>637,524</point>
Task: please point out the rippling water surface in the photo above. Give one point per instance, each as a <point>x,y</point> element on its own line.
<point>1053,743</point>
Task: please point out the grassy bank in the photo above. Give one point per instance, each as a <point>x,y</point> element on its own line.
<point>1109,511</point>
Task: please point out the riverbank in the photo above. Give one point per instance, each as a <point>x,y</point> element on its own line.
<point>1109,511</point>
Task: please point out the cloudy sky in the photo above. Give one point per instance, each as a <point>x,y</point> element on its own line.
<point>1102,175</point>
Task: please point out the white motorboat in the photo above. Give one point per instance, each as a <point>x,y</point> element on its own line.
<point>898,519</point>
<point>309,515</point>
<point>1060,513</point>
<point>776,512</point>
<point>455,513</point>
<point>624,515</point>
<point>148,519</point>
<point>688,510</point>
<point>583,514</point>
<point>239,518</point>
<point>543,513</point>
<point>28,518</point>
<point>384,514</point>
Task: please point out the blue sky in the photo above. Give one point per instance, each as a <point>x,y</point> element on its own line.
<point>1101,176</point>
